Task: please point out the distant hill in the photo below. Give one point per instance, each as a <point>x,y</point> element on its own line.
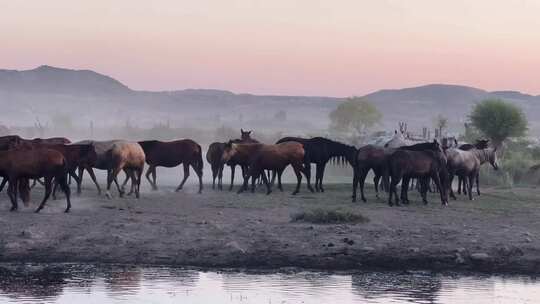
<point>87,96</point>
<point>51,80</point>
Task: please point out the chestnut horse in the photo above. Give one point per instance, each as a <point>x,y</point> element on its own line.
<point>213,157</point>
<point>268,157</point>
<point>171,154</point>
<point>19,164</point>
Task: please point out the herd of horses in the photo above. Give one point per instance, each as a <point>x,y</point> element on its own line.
<point>57,161</point>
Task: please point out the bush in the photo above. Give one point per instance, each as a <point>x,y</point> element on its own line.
<point>321,216</point>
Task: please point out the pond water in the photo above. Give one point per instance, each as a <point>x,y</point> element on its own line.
<point>67,283</point>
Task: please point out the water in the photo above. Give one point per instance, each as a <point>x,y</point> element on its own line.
<point>81,284</point>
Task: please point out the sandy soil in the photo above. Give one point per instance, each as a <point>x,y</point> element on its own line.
<point>498,232</point>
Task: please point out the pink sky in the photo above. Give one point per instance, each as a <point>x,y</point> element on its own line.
<point>300,47</point>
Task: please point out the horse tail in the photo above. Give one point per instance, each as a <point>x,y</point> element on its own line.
<point>199,159</point>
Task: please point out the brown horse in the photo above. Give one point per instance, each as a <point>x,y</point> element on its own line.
<point>115,156</point>
<point>172,154</point>
<point>213,157</point>
<point>50,141</point>
<point>369,157</point>
<point>407,164</point>
<point>268,157</point>
<point>19,164</point>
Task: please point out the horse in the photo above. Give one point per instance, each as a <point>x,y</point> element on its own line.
<point>268,157</point>
<point>213,157</point>
<point>50,141</point>
<point>480,144</point>
<point>319,150</point>
<point>114,156</point>
<point>171,154</point>
<point>371,157</point>
<point>9,142</point>
<point>19,164</point>
<point>240,160</point>
<point>398,140</point>
<point>406,164</point>
<point>466,164</point>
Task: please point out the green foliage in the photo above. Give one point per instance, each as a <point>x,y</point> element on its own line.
<point>322,216</point>
<point>498,120</point>
<point>441,122</point>
<point>355,114</point>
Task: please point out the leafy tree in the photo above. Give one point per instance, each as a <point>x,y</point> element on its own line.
<point>356,115</point>
<point>498,120</point>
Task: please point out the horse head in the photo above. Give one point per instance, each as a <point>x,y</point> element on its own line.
<point>246,135</point>
<point>229,150</point>
<point>481,144</point>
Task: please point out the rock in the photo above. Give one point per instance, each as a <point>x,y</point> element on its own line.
<point>461,250</point>
<point>528,240</point>
<point>330,244</point>
<point>459,258</point>
<point>414,249</point>
<point>367,248</point>
<point>480,256</point>
<point>527,233</point>
<point>234,245</point>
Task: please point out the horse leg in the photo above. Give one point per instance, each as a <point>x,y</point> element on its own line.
<point>392,191</point>
<point>110,178</point>
<point>478,183</point>
<point>126,180</point>
<point>450,180</point>
<point>139,174</point>
<point>12,193</point>
<point>4,181</point>
<point>199,173</point>
<point>115,179</point>
<point>220,177</point>
<point>297,170</point>
<point>232,176</point>
<point>423,193</point>
<point>214,176</point>
<point>186,175</point>
<point>470,183</point>
<point>268,185</point>
<point>93,176</point>
<point>376,181</point>
<point>404,189</point>
<point>80,170</point>
<point>436,178</point>
<point>48,190</point>
<point>280,186</point>
<point>354,184</point>
<point>362,182</point>
<point>307,173</point>
<point>244,185</point>
<point>55,183</point>
<point>323,167</point>
<point>61,180</point>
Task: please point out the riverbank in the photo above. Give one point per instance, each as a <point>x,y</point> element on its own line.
<point>498,232</point>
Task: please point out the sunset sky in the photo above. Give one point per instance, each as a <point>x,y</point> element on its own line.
<point>296,47</point>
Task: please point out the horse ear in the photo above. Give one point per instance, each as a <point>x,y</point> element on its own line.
<point>241,130</point>
<point>250,132</point>
<point>395,131</point>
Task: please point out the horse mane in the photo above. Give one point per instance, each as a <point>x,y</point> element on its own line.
<point>433,146</point>
<point>290,138</point>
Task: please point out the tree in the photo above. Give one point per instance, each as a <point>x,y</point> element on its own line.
<point>441,123</point>
<point>355,114</point>
<point>498,120</point>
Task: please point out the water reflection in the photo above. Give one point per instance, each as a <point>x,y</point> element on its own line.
<point>68,283</point>
<point>417,287</point>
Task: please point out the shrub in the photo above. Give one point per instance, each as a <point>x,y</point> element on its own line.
<point>322,216</point>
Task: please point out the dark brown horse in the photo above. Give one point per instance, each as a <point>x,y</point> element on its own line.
<point>19,164</point>
<point>267,157</point>
<point>406,164</point>
<point>371,157</point>
<point>213,157</point>
<point>319,150</point>
<point>9,142</point>
<point>172,154</point>
<point>240,160</point>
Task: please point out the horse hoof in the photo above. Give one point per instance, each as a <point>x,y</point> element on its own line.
<point>66,211</point>
<point>268,192</point>
<point>108,195</point>
<point>322,190</point>
<point>295,193</point>
<point>364,199</point>
<point>37,210</point>
<point>12,209</point>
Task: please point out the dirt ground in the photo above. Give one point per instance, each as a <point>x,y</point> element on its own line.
<point>498,232</point>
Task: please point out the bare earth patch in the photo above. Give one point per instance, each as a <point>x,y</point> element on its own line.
<point>498,232</point>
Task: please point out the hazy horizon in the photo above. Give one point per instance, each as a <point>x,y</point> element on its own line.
<point>280,48</point>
